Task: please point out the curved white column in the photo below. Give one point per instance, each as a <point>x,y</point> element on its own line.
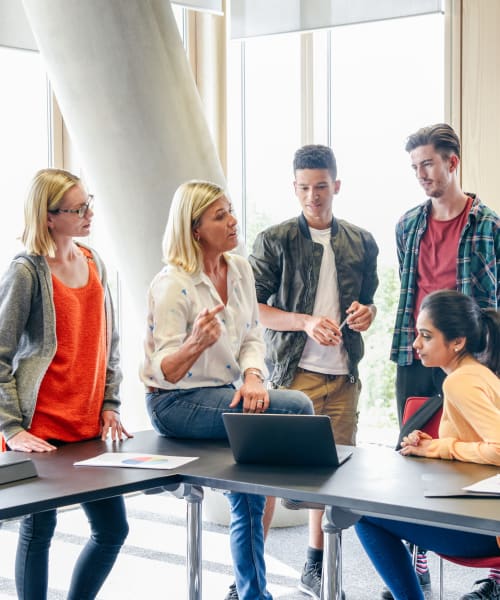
<point>127,95</point>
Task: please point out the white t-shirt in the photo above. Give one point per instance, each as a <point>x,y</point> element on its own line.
<point>331,360</point>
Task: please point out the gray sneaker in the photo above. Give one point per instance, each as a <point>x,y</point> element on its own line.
<point>300,504</point>
<point>488,590</point>
<point>310,580</point>
<point>233,593</point>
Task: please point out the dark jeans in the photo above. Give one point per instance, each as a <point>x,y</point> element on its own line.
<point>416,380</point>
<point>109,528</point>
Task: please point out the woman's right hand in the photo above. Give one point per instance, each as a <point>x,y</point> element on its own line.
<point>205,332</point>
<point>26,442</point>
<point>206,327</point>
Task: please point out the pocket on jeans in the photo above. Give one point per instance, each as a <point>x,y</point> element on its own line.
<point>160,412</point>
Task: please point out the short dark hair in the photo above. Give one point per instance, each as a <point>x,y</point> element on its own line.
<point>315,156</point>
<point>456,315</point>
<point>441,136</point>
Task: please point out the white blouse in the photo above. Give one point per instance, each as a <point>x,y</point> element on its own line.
<point>175,298</point>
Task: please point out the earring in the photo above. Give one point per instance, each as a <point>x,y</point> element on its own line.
<point>456,349</point>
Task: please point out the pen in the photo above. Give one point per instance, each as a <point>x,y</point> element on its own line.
<point>343,322</point>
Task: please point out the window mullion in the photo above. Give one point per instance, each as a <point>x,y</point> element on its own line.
<point>307,88</point>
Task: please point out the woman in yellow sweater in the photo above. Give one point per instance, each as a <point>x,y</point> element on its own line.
<point>454,333</point>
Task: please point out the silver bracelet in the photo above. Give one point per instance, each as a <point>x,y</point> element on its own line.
<point>256,372</point>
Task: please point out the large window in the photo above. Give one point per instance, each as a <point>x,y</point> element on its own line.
<point>24,139</point>
<point>264,127</point>
<point>361,89</point>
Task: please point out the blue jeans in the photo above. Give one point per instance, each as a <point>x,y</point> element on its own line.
<point>109,528</point>
<point>197,413</point>
<point>382,541</point>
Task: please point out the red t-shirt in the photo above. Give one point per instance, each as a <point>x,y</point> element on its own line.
<point>437,259</point>
<point>71,394</point>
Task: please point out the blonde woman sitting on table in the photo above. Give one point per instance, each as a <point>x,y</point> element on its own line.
<point>203,340</point>
<point>454,333</point>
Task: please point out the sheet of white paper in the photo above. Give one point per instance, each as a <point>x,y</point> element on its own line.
<point>491,485</point>
<point>136,460</point>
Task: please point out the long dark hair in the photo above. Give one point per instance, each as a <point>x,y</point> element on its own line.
<point>457,315</point>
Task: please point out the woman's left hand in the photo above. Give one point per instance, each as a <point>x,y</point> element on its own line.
<point>254,395</point>
<point>415,443</point>
<point>110,421</point>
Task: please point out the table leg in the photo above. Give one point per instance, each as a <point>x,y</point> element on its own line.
<point>334,520</point>
<point>194,498</point>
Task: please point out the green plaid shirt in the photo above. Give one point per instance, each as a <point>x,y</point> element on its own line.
<point>478,267</point>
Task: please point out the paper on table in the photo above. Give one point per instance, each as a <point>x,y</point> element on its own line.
<point>136,460</point>
<point>490,485</point>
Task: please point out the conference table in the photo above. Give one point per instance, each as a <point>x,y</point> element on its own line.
<point>375,481</point>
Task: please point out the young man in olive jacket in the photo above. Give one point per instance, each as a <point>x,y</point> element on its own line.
<point>312,272</point>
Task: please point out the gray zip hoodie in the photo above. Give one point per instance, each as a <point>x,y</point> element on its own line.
<point>28,340</point>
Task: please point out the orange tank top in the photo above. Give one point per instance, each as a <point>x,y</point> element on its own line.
<point>71,394</point>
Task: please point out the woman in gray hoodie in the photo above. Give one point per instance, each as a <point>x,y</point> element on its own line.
<point>59,371</point>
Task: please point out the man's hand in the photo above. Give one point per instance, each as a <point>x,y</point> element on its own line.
<point>323,330</point>
<point>361,316</point>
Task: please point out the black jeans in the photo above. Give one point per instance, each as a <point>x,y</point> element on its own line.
<point>109,528</point>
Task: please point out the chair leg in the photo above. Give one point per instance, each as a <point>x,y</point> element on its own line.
<point>441,580</point>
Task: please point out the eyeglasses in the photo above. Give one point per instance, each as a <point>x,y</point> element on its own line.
<point>81,212</point>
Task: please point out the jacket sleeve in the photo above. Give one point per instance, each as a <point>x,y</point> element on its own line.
<point>267,266</point>
<point>497,252</point>
<point>16,293</point>
<point>370,278</point>
<point>113,372</point>
<point>400,245</point>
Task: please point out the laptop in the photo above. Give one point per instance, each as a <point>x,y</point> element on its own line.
<point>285,440</point>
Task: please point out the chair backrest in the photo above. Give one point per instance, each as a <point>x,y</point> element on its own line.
<point>413,404</point>
<point>421,412</point>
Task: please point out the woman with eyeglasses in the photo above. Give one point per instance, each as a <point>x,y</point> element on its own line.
<point>59,370</point>
<point>454,333</point>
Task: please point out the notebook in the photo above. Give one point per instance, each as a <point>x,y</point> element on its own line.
<point>292,440</point>
<point>15,466</point>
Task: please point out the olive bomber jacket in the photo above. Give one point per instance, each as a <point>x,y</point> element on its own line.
<point>286,264</point>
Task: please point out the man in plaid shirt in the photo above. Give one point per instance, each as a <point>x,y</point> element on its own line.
<point>451,241</point>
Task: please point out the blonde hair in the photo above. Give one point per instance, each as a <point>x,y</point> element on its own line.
<point>190,201</point>
<point>45,194</point>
